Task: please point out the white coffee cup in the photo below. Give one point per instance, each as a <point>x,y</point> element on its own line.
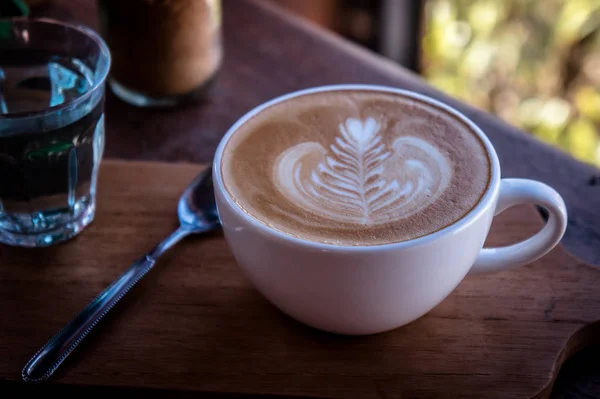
<point>370,289</point>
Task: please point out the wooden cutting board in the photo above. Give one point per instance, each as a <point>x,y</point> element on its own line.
<point>195,324</point>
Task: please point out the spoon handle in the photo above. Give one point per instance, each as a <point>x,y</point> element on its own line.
<point>50,356</point>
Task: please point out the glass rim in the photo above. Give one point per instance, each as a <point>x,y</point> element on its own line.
<point>103,73</point>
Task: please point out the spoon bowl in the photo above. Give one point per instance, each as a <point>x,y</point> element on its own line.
<point>196,209</point>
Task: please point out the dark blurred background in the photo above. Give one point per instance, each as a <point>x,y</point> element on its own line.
<point>535,64</point>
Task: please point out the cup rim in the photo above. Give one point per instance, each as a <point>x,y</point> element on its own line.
<point>102,73</point>
<point>463,223</point>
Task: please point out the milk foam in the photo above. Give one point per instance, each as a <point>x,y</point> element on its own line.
<point>355,167</point>
<point>361,180</point>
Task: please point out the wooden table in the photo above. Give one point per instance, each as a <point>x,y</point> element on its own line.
<point>268,53</point>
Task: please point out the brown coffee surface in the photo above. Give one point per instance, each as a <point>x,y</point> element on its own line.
<point>355,167</point>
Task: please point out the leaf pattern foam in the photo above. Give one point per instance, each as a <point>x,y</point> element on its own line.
<point>359,179</point>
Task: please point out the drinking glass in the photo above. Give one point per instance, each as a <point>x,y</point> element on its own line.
<point>52,79</point>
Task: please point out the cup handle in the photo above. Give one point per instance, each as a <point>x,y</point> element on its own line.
<point>522,191</point>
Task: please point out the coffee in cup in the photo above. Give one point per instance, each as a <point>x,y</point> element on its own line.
<point>355,167</point>
<point>356,209</point>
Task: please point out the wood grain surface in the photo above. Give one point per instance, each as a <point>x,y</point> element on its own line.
<point>196,324</point>
<point>268,53</point>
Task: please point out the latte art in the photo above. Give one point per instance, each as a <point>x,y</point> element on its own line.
<point>360,180</point>
<point>355,167</point>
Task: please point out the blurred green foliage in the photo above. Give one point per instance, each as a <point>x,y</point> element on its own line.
<point>534,63</point>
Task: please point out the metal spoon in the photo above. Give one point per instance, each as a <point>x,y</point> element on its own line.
<point>197,214</point>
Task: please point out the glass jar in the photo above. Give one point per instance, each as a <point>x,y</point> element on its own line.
<point>164,52</point>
